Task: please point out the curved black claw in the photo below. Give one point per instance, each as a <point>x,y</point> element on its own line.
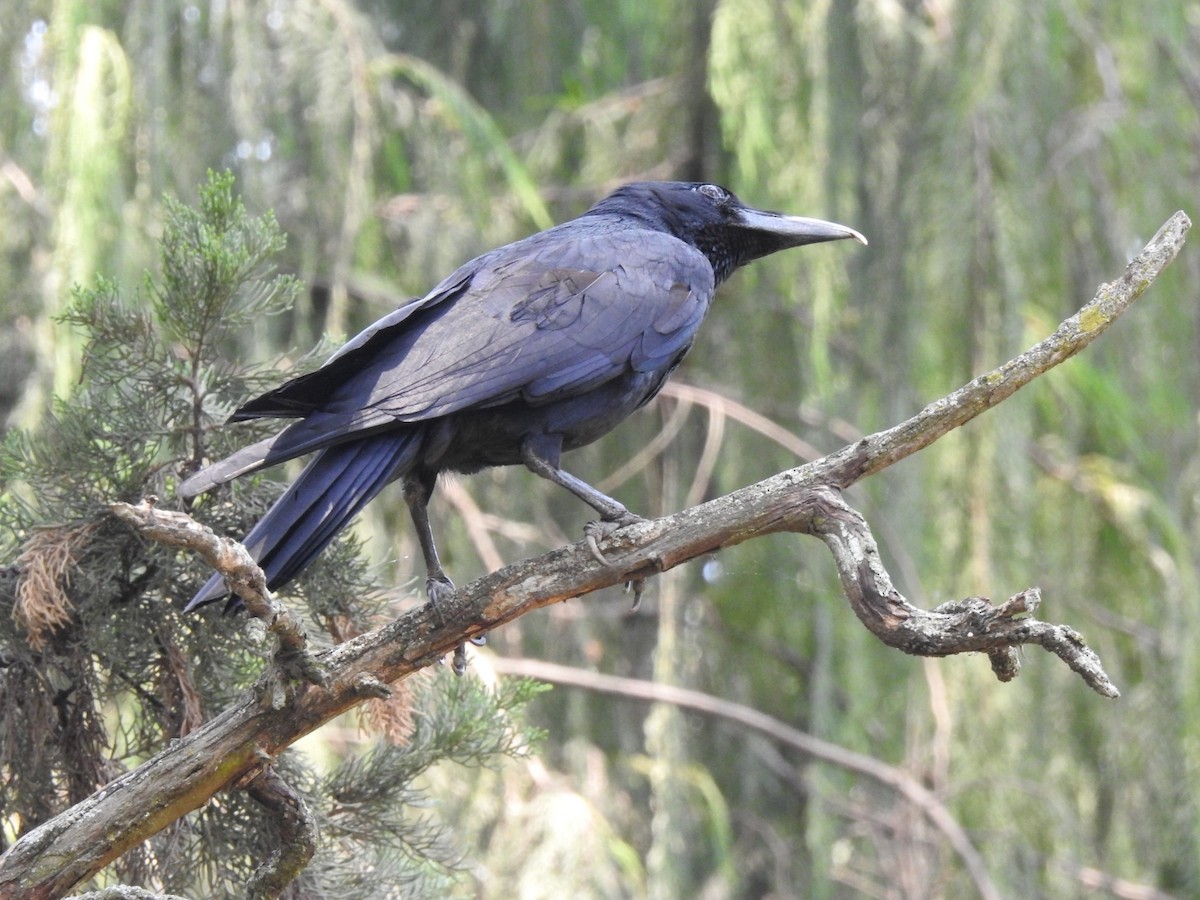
<point>638,586</point>
<point>595,532</point>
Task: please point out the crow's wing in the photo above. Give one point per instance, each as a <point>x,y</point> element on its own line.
<point>544,319</point>
<point>307,393</point>
<point>538,325</point>
<point>545,327</point>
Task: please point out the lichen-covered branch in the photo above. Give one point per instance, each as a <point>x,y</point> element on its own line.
<point>881,450</point>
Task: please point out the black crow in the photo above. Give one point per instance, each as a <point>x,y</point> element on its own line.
<point>535,348</point>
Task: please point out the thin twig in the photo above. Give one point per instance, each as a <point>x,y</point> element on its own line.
<point>890,776</point>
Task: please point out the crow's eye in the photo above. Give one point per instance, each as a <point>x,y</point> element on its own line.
<point>714,192</point>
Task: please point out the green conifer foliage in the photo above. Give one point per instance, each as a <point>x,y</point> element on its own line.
<point>98,668</point>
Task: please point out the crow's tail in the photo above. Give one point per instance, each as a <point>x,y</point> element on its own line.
<point>321,502</point>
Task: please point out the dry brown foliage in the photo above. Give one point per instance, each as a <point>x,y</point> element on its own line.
<point>46,562</point>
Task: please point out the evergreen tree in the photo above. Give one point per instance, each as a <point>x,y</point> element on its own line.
<point>98,669</point>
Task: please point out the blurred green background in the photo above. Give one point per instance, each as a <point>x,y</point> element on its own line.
<point>1003,159</point>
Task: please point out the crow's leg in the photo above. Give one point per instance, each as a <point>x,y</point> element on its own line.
<point>418,488</point>
<point>541,454</point>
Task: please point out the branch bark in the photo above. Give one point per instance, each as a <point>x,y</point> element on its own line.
<point>297,833</point>
<point>240,741</point>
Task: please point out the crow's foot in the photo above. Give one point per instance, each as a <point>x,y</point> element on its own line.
<point>440,589</point>
<point>595,532</point>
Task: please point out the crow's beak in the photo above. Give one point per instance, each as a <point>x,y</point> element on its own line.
<point>796,231</point>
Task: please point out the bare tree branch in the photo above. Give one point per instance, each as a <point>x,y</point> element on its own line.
<point>60,853</point>
<point>960,626</point>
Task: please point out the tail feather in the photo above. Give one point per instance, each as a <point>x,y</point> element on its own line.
<point>330,491</point>
<point>249,459</point>
<point>315,520</point>
<point>318,431</point>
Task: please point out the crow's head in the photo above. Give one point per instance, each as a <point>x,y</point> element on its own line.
<point>718,224</point>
